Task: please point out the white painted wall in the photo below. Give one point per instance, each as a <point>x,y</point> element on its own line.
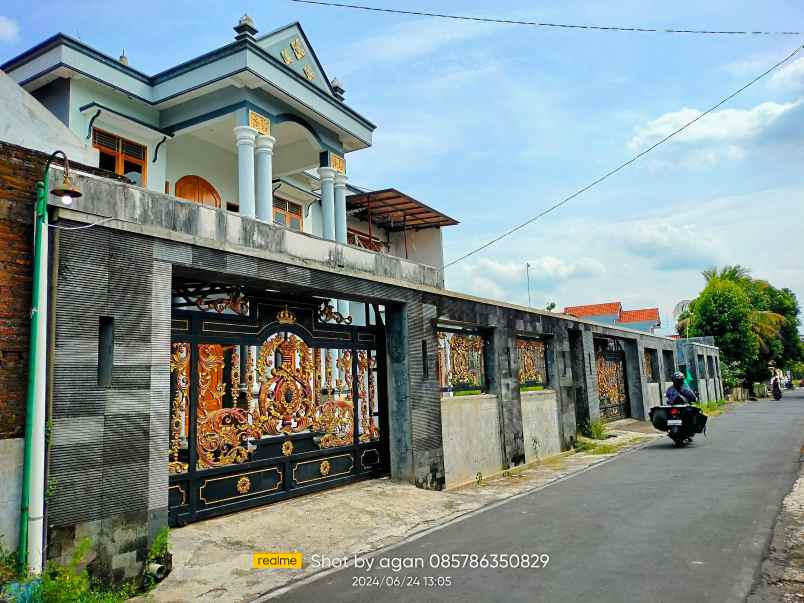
<point>654,396</point>
<point>470,429</point>
<point>424,246</point>
<point>540,428</point>
<point>28,123</point>
<point>11,479</point>
<point>189,155</point>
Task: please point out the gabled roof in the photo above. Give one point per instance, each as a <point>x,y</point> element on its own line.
<point>642,315</point>
<point>594,309</point>
<point>279,40</point>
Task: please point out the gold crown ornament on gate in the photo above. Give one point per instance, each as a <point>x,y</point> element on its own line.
<point>286,317</point>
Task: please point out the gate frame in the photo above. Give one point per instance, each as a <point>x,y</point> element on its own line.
<point>187,327</point>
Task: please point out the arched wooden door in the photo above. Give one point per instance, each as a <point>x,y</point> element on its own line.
<point>195,188</point>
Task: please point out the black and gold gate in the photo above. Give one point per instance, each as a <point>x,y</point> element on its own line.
<point>611,382</point>
<point>271,398</point>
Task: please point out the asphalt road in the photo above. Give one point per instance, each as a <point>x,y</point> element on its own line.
<point>660,524</point>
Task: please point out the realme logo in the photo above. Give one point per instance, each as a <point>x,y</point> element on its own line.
<point>277,560</point>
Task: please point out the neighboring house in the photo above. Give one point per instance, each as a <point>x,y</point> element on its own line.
<point>646,319</point>
<point>255,127</point>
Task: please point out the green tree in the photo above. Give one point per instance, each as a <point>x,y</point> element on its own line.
<point>723,310</point>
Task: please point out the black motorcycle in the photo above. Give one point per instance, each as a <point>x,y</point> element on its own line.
<point>681,422</point>
<point>776,390</point>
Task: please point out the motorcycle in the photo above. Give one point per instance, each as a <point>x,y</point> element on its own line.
<point>681,422</point>
<point>776,390</point>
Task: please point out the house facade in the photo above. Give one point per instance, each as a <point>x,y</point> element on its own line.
<point>196,363</point>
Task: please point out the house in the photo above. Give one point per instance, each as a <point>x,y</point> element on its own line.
<point>254,127</point>
<point>612,313</point>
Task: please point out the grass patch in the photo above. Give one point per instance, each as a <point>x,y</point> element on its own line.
<point>594,430</point>
<point>712,408</point>
<point>531,388</point>
<point>467,392</point>
<point>590,446</point>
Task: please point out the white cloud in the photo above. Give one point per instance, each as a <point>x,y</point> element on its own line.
<point>729,126</point>
<point>669,246</point>
<point>9,29</point>
<point>407,41</point>
<point>789,77</point>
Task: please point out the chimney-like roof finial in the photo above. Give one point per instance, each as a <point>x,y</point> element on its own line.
<point>123,58</point>
<point>337,88</point>
<point>245,28</point>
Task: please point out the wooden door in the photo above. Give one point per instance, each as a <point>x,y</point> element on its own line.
<point>195,188</point>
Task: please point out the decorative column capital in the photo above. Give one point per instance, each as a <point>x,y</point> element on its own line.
<point>326,174</point>
<point>265,143</point>
<point>245,135</point>
<point>340,180</point>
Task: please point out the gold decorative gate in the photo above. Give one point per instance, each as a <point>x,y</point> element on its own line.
<point>611,382</point>
<point>270,399</point>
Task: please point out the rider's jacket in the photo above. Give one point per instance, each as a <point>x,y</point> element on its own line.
<point>683,396</point>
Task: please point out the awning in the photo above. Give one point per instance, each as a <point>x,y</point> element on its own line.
<point>395,211</point>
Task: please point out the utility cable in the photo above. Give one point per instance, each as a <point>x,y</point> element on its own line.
<point>626,163</point>
<point>555,25</point>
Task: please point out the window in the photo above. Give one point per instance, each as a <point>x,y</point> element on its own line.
<point>710,362</point>
<point>288,214</point>
<point>460,365</point>
<point>532,364</point>
<point>651,365</point>
<point>121,156</point>
<point>669,364</point>
<point>701,367</point>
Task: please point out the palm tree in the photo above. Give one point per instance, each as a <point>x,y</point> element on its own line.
<point>735,273</point>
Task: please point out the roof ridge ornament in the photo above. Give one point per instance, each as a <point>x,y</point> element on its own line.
<point>245,28</point>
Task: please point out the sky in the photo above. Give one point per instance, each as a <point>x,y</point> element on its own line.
<point>493,123</point>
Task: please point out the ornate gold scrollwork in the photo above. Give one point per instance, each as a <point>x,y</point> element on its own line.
<point>180,367</point>
<point>531,360</point>
<point>327,313</point>
<point>223,437</point>
<point>244,485</point>
<point>366,392</point>
<point>287,58</point>
<point>287,448</point>
<point>462,348</point>
<point>309,73</point>
<point>324,468</point>
<point>236,302</point>
<point>286,403</point>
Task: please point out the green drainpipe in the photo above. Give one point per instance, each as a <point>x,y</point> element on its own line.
<point>35,357</point>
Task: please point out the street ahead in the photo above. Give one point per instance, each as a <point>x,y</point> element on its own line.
<point>661,524</point>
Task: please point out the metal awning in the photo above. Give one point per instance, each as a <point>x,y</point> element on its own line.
<point>395,211</point>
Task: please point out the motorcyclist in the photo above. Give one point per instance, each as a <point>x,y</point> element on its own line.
<point>679,393</point>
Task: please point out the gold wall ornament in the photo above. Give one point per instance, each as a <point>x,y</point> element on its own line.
<point>309,73</point>
<point>259,123</point>
<point>287,448</point>
<point>324,468</point>
<point>365,393</point>
<point>287,57</point>
<point>286,317</point>
<point>244,485</point>
<point>180,367</point>
<point>298,48</point>
<point>327,313</point>
<point>466,359</point>
<point>338,163</point>
<point>211,387</point>
<point>532,367</point>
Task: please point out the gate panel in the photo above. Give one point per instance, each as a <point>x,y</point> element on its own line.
<point>612,388</point>
<point>270,399</point>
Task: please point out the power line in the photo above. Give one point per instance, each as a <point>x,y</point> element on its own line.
<point>625,164</point>
<point>397,11</point>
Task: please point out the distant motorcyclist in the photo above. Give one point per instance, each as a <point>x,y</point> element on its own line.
<point>679,393</point>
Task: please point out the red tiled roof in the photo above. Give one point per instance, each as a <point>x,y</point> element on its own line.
<point>642,315</point>
<point>594,309</point>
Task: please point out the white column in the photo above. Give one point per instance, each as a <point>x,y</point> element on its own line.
<point>245,136</point>
<point>340,208</point>
<point>265,175</point>
<point>327,175</point>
